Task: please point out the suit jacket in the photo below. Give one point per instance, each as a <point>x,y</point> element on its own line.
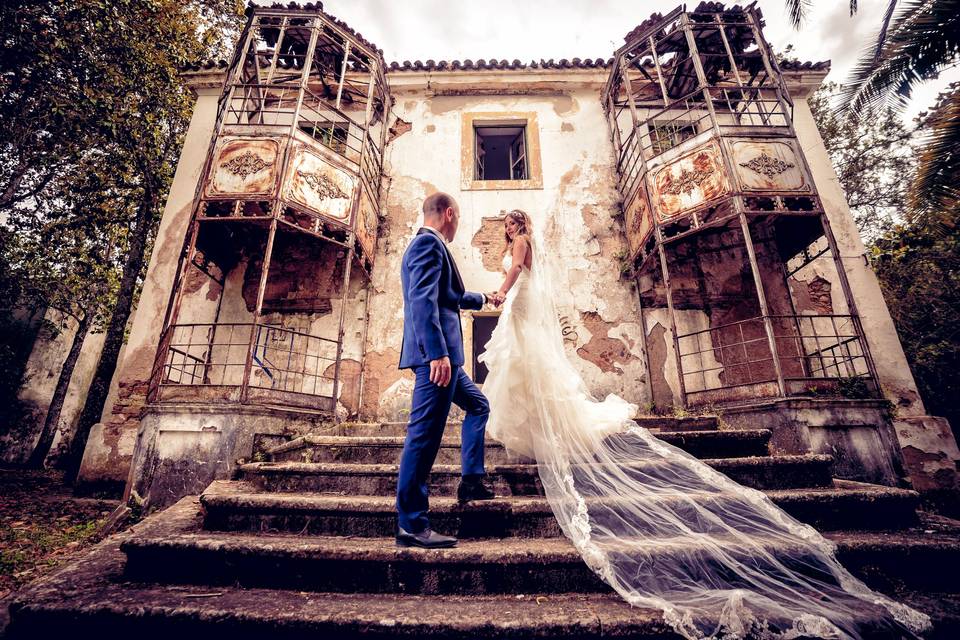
<point>433,294</point>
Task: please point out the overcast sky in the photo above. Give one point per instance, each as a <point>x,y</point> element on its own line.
<point>544,29</point>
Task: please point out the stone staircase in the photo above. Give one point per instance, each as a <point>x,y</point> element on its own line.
<point>303,544</point>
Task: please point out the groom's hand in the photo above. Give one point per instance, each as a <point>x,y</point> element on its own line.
<point>440,371</point>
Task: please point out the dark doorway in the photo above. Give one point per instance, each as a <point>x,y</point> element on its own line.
<point>482,330</point>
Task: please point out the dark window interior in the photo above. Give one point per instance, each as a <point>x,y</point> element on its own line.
<point>501,153</point>
<point>668,134</point>
<point>330,134</point>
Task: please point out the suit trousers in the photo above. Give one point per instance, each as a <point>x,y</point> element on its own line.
<point>430,406</point>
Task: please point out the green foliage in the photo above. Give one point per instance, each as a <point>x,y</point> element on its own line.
<point>918,265</point>
<point>625,264</point>
<point>873,160</point>
<point>93,111</point>
<point>917,40</point>
<point>935,187</point>
<point>854,388</point>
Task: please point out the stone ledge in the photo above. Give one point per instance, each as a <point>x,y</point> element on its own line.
<point>240,506</point>
<point>91,595</point>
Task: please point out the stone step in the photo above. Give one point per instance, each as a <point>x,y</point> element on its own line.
<point>765,472</point>
<point>149,612</point>
<point>720,444</point>
<point>240,506</point>
<point>452,429</point>
<point>387,449</point>
<point>688,423</point>
<point>177,551</point>
<point>375,450</point>
<point>93,597</point>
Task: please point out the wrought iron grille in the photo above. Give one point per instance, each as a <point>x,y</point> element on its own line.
<point>245,355</point>
<point>808,347</point>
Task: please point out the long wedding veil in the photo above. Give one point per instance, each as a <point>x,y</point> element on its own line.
<point>659,526</point>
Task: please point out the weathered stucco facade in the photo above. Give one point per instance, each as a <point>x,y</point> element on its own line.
<point>51,345</point>
<point>576,208</point>
<point>570,189</point>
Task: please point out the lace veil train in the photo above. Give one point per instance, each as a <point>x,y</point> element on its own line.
<point>659,526</point>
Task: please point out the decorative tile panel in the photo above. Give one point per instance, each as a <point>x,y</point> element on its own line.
<point>767,166</point>
<point>366,226</point>
<point>690,181</point>
<point>244,167</point>
<point>637,221</point>
<point>321,187</point>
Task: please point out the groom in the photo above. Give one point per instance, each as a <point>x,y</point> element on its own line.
<point>433,294</point>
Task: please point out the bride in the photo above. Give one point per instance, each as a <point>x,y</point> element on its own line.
<point>659,526</point>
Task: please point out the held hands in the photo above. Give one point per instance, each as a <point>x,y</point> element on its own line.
<point>496,298</point>
<point>440,371</point>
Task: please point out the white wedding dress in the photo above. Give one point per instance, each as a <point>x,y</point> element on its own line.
<point>659,526</point>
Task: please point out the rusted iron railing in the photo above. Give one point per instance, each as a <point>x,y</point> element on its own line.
<point>204,361</point>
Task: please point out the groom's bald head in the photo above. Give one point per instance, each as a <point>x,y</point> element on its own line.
<point>436,204</point>
<point>441,212</point>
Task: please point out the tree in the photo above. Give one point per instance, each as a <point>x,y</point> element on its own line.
<point>76,275</point>
<point>918,265</point>
<point>873,160</point>
<point>917,39</point>
<point>94,81</point>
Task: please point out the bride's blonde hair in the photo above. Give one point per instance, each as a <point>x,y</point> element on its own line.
<point>525,227</point>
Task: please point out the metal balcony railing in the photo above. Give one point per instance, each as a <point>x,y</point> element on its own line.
<point>810,349</point>
<point>244,362</point>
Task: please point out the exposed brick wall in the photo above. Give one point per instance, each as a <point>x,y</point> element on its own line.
<point>490,241</point>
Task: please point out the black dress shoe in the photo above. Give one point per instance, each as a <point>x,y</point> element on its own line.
<point>473,490</point>
<point>428,539</point>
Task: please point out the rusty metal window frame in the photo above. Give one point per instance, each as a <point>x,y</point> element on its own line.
<point>828,347</point>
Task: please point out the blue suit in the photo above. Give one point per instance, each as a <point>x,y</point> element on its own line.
<point>433,294</point>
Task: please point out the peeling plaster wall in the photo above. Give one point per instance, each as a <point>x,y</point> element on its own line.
<point>302,294</point>
<point>41,374</point>
<point>713,288</point>
<point>575,209</point>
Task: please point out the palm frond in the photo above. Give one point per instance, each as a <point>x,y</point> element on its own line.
<point>884,26</point>
<point>936,187</point>
<point>798,10</point>
<point>914,45</point>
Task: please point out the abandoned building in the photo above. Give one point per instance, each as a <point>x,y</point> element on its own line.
<point>711,272</point>
<point>709,258</point>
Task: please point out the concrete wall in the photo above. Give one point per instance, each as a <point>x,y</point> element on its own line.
<point>41,374</point>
